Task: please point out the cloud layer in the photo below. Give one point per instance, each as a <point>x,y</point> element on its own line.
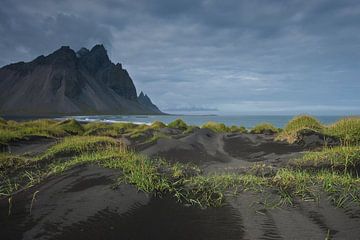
<point>259,56</point>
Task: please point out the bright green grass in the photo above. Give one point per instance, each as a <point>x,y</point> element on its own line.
<point>216,127</point>
<point>71,126</point>
<point>236,129</point>
<point>76,145</point>
<point>347,129</point>
<point>264,127</point>
<point>339,157</point>
<point>298,123</point>
<point>301,122</point>
<point>157,125</point>
<point>178,124</point>
<point>12,130</point>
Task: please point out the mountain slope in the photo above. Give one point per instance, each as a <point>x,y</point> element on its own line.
<point>66,83</point>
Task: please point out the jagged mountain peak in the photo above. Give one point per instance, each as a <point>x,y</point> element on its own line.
<point>69,82</point>
<point>82,52</point>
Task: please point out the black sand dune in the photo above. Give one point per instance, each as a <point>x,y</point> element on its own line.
<point>82,202</point>
<point>219,152</point>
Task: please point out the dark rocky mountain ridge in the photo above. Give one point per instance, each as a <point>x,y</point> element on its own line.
<point>70,83</point>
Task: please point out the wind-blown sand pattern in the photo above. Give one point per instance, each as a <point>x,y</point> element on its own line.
<point>84,202</point>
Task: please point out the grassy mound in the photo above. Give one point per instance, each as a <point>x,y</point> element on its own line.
<point>70,126</point>
<point>216,127</point>
<point>12,131</point>
<point>264,128</point>
<point>297,124</point>
<point>157,125</point>
<point>178,124</point>
<point>236,129</point>
<point>347,129</point>
<point>77,145</point>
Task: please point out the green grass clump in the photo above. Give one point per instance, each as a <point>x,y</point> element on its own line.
<point>158,125</point>
<point>190,129</point>
<point>339,157</point>
<point>346,129</point>
<point>12,131</point>
<point>341,188</point>
<point>110,130</point>
<point>77,145</point>
<point>216,127</point>
<point>71,126</point>
<point>10,161</point>
<point>137,169</point>
<point>297,124</point>
<point>210,190</point>
<point>178,124</point>
<point>236,129</point>
<point>264,128</point>
<point>301,122</point>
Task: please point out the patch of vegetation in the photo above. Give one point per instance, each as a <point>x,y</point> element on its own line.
<point>346,129</point>
<point>110,130</point>
<point>178,124</point>
<point>264,128</point>
<point>337,158</point>
<point>157,125</point>
<point>236,129</point>
<point>10,161</point>
<point>191,129</point>
<point>184,182</point>
<point>12,131</point>
<point>70,146</point>
<point>216,127</point>
<point>71,126</point>
<point>298,124</point>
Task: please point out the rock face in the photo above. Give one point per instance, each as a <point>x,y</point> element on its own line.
<point>70,83</point>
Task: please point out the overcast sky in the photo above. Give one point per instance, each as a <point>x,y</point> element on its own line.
<point>263,57</point>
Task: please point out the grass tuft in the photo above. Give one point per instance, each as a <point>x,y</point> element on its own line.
<point>216,127</point>
<point>347,129</point>
<point>178,124</point>
<point>337,158</point>
<point>264,128</point>
<point>77,145</point>
<point>297,124</point>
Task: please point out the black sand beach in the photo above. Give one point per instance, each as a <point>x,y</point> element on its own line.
<point>85,203</point>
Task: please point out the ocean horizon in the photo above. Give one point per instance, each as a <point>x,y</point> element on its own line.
<point>247,121</point>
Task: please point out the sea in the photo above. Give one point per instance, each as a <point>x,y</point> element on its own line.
<point>247,121</point>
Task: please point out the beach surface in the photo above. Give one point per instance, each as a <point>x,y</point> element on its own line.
<point>85,203</point>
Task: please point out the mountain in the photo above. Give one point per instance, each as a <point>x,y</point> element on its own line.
<point>70,83</point>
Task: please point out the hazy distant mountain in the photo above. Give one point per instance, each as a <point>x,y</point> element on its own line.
<point>68,82</point>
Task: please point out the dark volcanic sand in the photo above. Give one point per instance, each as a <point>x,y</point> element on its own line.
<point>82,203</point>
<point>216,152</point>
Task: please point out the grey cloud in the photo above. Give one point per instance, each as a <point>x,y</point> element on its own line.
<point>206,53</point>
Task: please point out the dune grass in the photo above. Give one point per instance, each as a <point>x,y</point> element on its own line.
<point>73,145</point>
<point>337,158</point>
<point>12,131</point>
<point>264,128</point>
<point>158,125</point>
<point>346,129</point>
<point>178,124</point>
<point>238,129</point>
<point>216,127</point>
<point>70,126</point>
<point>95,145</point>
<point>297,124</point>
